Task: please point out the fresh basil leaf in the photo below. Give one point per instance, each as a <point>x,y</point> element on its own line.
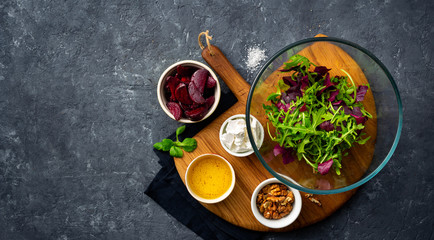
<point>189,144</point>
<point>176,152</point>
<point>179,131</point>
<point>166,144</point>
<point>158,146</point>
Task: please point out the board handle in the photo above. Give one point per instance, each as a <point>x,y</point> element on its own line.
<point>221,65</point>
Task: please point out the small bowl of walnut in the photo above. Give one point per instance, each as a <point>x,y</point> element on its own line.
<point>275,204</point>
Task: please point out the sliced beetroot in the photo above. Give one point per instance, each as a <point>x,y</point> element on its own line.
<point>208,92</point>
<point>171,84</point>
<point>181,94</point>
<point>211,82</point>
<point>187,107</point>
<point>190,92</point>
<point>186,80</point>
<point>209,101</point>
<point>195,94</point>
<point>199,79</point>
<point>184,71</point>
<point>175,110</point>
<point>197,113</point>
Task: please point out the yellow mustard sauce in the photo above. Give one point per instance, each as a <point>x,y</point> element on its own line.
<point>210,177</point>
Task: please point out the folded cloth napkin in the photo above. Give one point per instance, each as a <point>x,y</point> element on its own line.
<point>168,190</point>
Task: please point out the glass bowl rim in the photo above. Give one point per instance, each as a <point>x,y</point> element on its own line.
<point>362,180</point>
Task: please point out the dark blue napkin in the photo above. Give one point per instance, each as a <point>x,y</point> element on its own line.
<point>168,190</point>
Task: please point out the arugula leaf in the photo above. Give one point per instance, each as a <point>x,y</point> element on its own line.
<point>281,86</point>
<point>273,97</point>
<point>363,141</point>
<point>298,61</point>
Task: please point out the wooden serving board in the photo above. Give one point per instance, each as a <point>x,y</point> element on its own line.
<point>249,170</point>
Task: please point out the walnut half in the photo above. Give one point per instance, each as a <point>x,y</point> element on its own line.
<point>312,199</point>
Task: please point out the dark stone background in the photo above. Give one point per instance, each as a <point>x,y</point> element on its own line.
<point>79,113</point>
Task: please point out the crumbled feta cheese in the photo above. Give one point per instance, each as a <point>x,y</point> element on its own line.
<point>227,139</point>
<point>235,135</point>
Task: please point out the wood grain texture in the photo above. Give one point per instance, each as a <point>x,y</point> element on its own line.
<point>249,170</point>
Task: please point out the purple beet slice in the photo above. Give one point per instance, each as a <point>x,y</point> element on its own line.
<point>211,82</point>
<point>171,83</point>
<point>186,80</point>
<point>199,78</point>
<point>184,71</point>
<point>195,94</point>
<point>187,107</point>
<point>181,70</point>
<point>181,94</point>
<point>175,110</point>
<point>197,114</point>
<point>209,101</point>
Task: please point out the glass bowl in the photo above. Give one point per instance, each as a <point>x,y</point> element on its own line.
<point>382,100</point>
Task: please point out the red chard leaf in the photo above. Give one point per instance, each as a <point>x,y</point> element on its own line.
<point>361,91</point>
<point>333,95</point>
<point>324,167</point>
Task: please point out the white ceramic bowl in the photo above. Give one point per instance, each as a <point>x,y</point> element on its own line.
<point>246,153</point>
<point>170,71</point>
<point>276,223</point>
<point>204,200</point>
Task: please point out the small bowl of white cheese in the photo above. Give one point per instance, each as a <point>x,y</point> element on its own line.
<point>234,137</point>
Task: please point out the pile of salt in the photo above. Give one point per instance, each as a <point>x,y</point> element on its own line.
<point>255,56</point>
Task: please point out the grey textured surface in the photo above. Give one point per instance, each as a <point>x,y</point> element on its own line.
<point>79,114</point>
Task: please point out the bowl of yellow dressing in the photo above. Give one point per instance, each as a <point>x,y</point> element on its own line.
<point>210,178</point>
